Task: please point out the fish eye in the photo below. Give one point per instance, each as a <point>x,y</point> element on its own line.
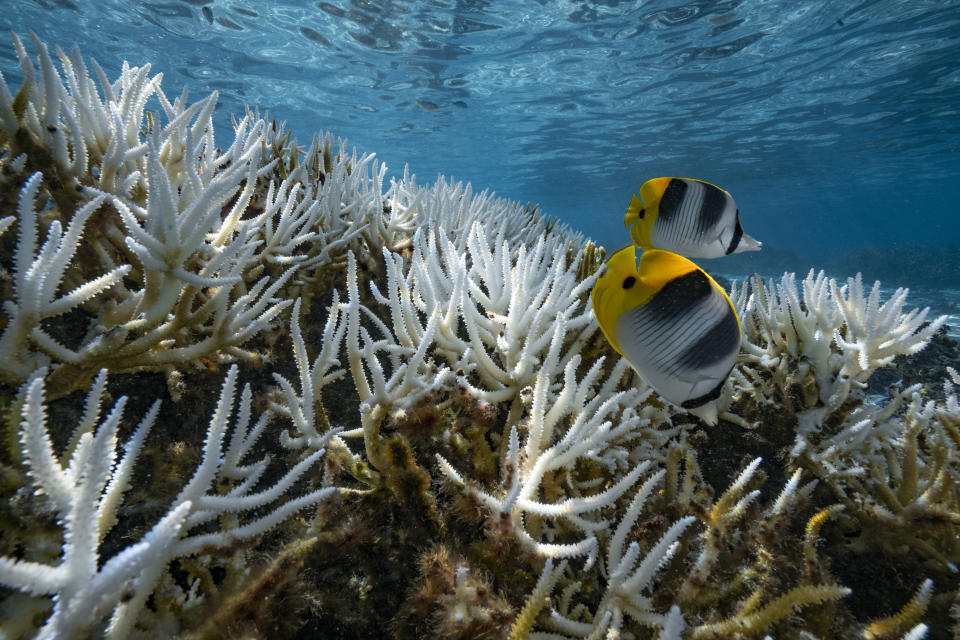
<point>628,282</point>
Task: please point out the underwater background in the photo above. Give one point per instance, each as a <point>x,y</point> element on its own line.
<point>835,125</point>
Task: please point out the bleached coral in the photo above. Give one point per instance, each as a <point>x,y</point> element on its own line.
<point>628,577</point>
<point>597,423</point>
<point>502,437</point>
<point>834,336</point>
<point>87,491</point>
<point>891,461</point>
<point>489,311</point>
<point>305,409</point>
<point>447,206</point>
<point>506,320</point>
<point>36,279</point>
<point>196,243</point>
<point>895,466</point>
<point>83,133</point>
<point>637,579</point>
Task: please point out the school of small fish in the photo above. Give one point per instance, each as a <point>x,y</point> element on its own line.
<point>674,324</point>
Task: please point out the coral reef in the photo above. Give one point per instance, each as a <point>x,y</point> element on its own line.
<point>433,438</point>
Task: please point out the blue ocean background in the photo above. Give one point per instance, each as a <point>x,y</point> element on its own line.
<point>835,124</point>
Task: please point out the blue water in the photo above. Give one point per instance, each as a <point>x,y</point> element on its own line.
<point>835,124</point>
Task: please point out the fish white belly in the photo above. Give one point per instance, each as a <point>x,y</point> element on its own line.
<point>685,352</point>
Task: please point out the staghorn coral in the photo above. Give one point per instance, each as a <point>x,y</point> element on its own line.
<point>37,277</point>
<point>827,343</point>
<point>904,619</point>
<point>489,465</point>
<point>195,256</point>
<point>87,491</point>
<point>889,461</point>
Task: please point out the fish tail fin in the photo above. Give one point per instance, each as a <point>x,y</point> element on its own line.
<point>634,212</point>
<point>706,412</point>
<point>639,221</point>
<point>748,243</point>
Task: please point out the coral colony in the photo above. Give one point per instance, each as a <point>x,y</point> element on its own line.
<point>431,437</point>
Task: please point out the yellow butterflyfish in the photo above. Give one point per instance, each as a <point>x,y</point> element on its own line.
<point>693,218</point>
<point>672,322</point>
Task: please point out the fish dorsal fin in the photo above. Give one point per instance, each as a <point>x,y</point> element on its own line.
<point>623,261</point>
<point>658,267</point>
<point>652,190</point>
<point>709,184</point>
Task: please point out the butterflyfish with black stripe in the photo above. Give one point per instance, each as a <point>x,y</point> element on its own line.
<point>672,322</point>
<point>691,217</point>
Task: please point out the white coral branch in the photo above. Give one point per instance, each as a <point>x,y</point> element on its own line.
<point>629,577</point>
<point>88,490</point>
<point>301,407</point>
<point>834,334</point>
<point>564,427</point>
<point>38,276</point>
